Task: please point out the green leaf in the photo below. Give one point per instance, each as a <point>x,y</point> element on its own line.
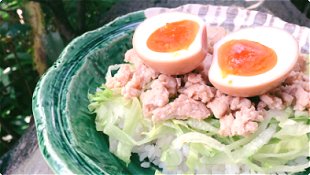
<point>4,78</point>
<point>21,55</point>
<point>4,15</point>
<point>11,5</point>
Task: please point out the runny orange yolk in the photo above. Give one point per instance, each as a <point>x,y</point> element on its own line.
<point>173,36</point>
<point>245,58</point>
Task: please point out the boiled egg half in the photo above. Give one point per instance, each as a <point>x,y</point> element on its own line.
<point>252,61</point>
<point>171,43</point>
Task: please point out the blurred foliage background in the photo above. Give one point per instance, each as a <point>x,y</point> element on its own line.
<point>32,35</point>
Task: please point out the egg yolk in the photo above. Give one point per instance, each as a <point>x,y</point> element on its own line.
<point>173,36</point>
<point>245,58</point>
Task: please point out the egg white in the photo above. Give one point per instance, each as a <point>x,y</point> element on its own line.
<point>285,47</point>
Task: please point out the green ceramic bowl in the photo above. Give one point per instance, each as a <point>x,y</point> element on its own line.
<point>66,130</point>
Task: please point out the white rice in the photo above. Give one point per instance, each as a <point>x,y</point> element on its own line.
<point>145,164</point>
<point>150,154</point>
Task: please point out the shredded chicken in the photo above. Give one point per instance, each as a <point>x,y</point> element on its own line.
<point>219,105</point>
<point>301,64</point>
<point>141,76</point>
<point>242,120</point>
<point>272,102</point>
<point>172,84</point>
<point>182,107</point>
<point>121,78</point>
<point>239,103</point>
<point>196,88</point>
<point>225,124</point>
<point>158,95</point>
<point>295,91</point>
<point>194,98</point>
<point>240,116</point>
<point>131,56</point>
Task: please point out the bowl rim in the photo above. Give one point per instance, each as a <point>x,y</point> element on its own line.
<point>46,146</point>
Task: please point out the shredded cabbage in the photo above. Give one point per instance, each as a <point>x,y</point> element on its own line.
<point>281,139</point>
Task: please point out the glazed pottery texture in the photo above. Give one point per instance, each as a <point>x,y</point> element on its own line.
<point>66,129</point>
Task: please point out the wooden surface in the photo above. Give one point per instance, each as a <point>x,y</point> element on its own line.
<point>25,157</point>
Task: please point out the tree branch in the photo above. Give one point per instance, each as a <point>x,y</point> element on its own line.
<point>36,22</point>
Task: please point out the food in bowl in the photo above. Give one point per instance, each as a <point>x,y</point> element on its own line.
<point>252,61</point>
<point>183,124</point>
<point>171,43</point>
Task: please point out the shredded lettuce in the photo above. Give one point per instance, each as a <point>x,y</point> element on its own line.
<point>118,118</point>
<point>281,139</point>
<point>193,156</point>
<point>172,157</point>
<point>196,137</point>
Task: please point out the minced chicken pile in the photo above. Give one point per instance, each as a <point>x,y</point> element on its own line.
<point>165,97</point>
